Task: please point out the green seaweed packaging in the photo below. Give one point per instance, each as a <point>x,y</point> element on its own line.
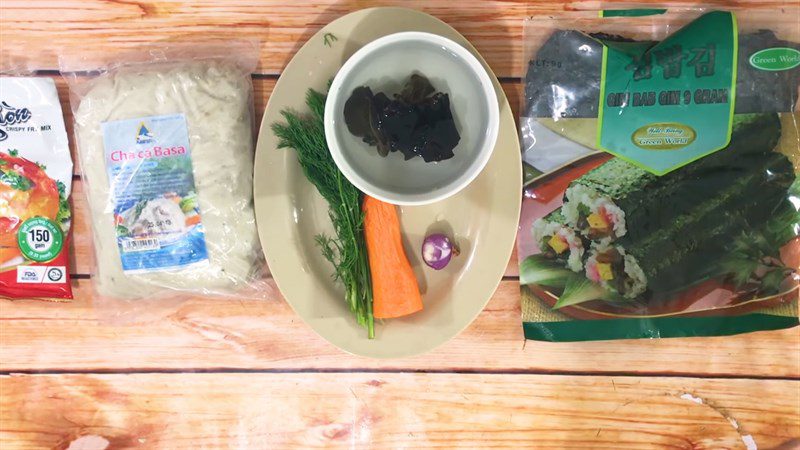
<point>664,195</point>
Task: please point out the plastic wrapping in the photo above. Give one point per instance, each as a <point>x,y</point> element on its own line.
<point>165,140</point>
<point>35,185</point>
<point>614,242</point>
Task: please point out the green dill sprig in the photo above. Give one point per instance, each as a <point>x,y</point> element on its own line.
<point>347,250</point>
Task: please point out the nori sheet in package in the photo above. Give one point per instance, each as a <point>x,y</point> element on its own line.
<point>610,248</point>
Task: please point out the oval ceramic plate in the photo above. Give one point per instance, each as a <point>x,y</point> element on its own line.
<point>483,218</point>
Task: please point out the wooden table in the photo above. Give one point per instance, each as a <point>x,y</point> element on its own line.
<point>215,374</point>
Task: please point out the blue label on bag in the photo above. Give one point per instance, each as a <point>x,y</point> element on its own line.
<point>153,196</point>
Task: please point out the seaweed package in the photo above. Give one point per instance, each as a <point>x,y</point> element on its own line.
<point>662,174</point>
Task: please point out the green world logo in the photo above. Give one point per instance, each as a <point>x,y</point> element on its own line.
<point>663,136</point>
<point>775,59</point>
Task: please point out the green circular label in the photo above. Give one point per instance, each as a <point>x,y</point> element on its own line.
<point>775,59</point>
<point>40,239</point>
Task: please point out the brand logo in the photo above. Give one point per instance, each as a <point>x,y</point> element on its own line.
<point>143,136</point>
<point>663,136</point>
<point>10,116</point>
<point>55,274</point>
<point>775,59</point>
<point>30,274</point>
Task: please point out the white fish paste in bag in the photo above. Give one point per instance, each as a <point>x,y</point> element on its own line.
<point>167,155</point>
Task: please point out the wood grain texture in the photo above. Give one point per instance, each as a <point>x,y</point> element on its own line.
<point>211,334</point>
<point>291,410</point>
<point>81,250</point>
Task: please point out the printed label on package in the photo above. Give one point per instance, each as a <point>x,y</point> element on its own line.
<point>666,105</point>
<point>775,59</point>
<point>157,218</point>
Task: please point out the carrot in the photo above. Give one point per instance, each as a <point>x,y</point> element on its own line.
<point>193,220</point>
<point>395,291</point>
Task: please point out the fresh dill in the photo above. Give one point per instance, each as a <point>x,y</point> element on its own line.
<point>347,251</point>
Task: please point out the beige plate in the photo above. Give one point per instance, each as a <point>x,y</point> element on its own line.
<point>483,218</point>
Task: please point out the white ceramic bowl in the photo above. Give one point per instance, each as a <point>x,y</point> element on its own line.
<point>384,65</point>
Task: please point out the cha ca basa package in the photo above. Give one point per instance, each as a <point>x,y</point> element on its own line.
<point>35,184</point>
<point>165,139</point>
<point>662,158</point>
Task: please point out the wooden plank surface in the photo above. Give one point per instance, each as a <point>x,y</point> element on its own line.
<point>190,411</point>
<point>210,334</point>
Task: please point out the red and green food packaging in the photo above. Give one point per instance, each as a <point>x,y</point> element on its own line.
<point>35,184</point>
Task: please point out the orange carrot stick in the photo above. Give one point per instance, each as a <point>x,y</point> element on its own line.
<point>395,291</point>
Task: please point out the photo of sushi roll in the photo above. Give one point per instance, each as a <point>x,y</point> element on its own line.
<point>678,254</point>
<point>610,266</point>
<point>643,239</point>
<point>558,241</point>
<point>593,214</point>
<point>619,199</point>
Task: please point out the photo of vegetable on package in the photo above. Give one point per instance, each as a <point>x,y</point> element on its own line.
<point>662,168</point>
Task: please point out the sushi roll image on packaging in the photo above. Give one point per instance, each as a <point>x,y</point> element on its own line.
<point>35,184</point>
<point>662,168</point>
